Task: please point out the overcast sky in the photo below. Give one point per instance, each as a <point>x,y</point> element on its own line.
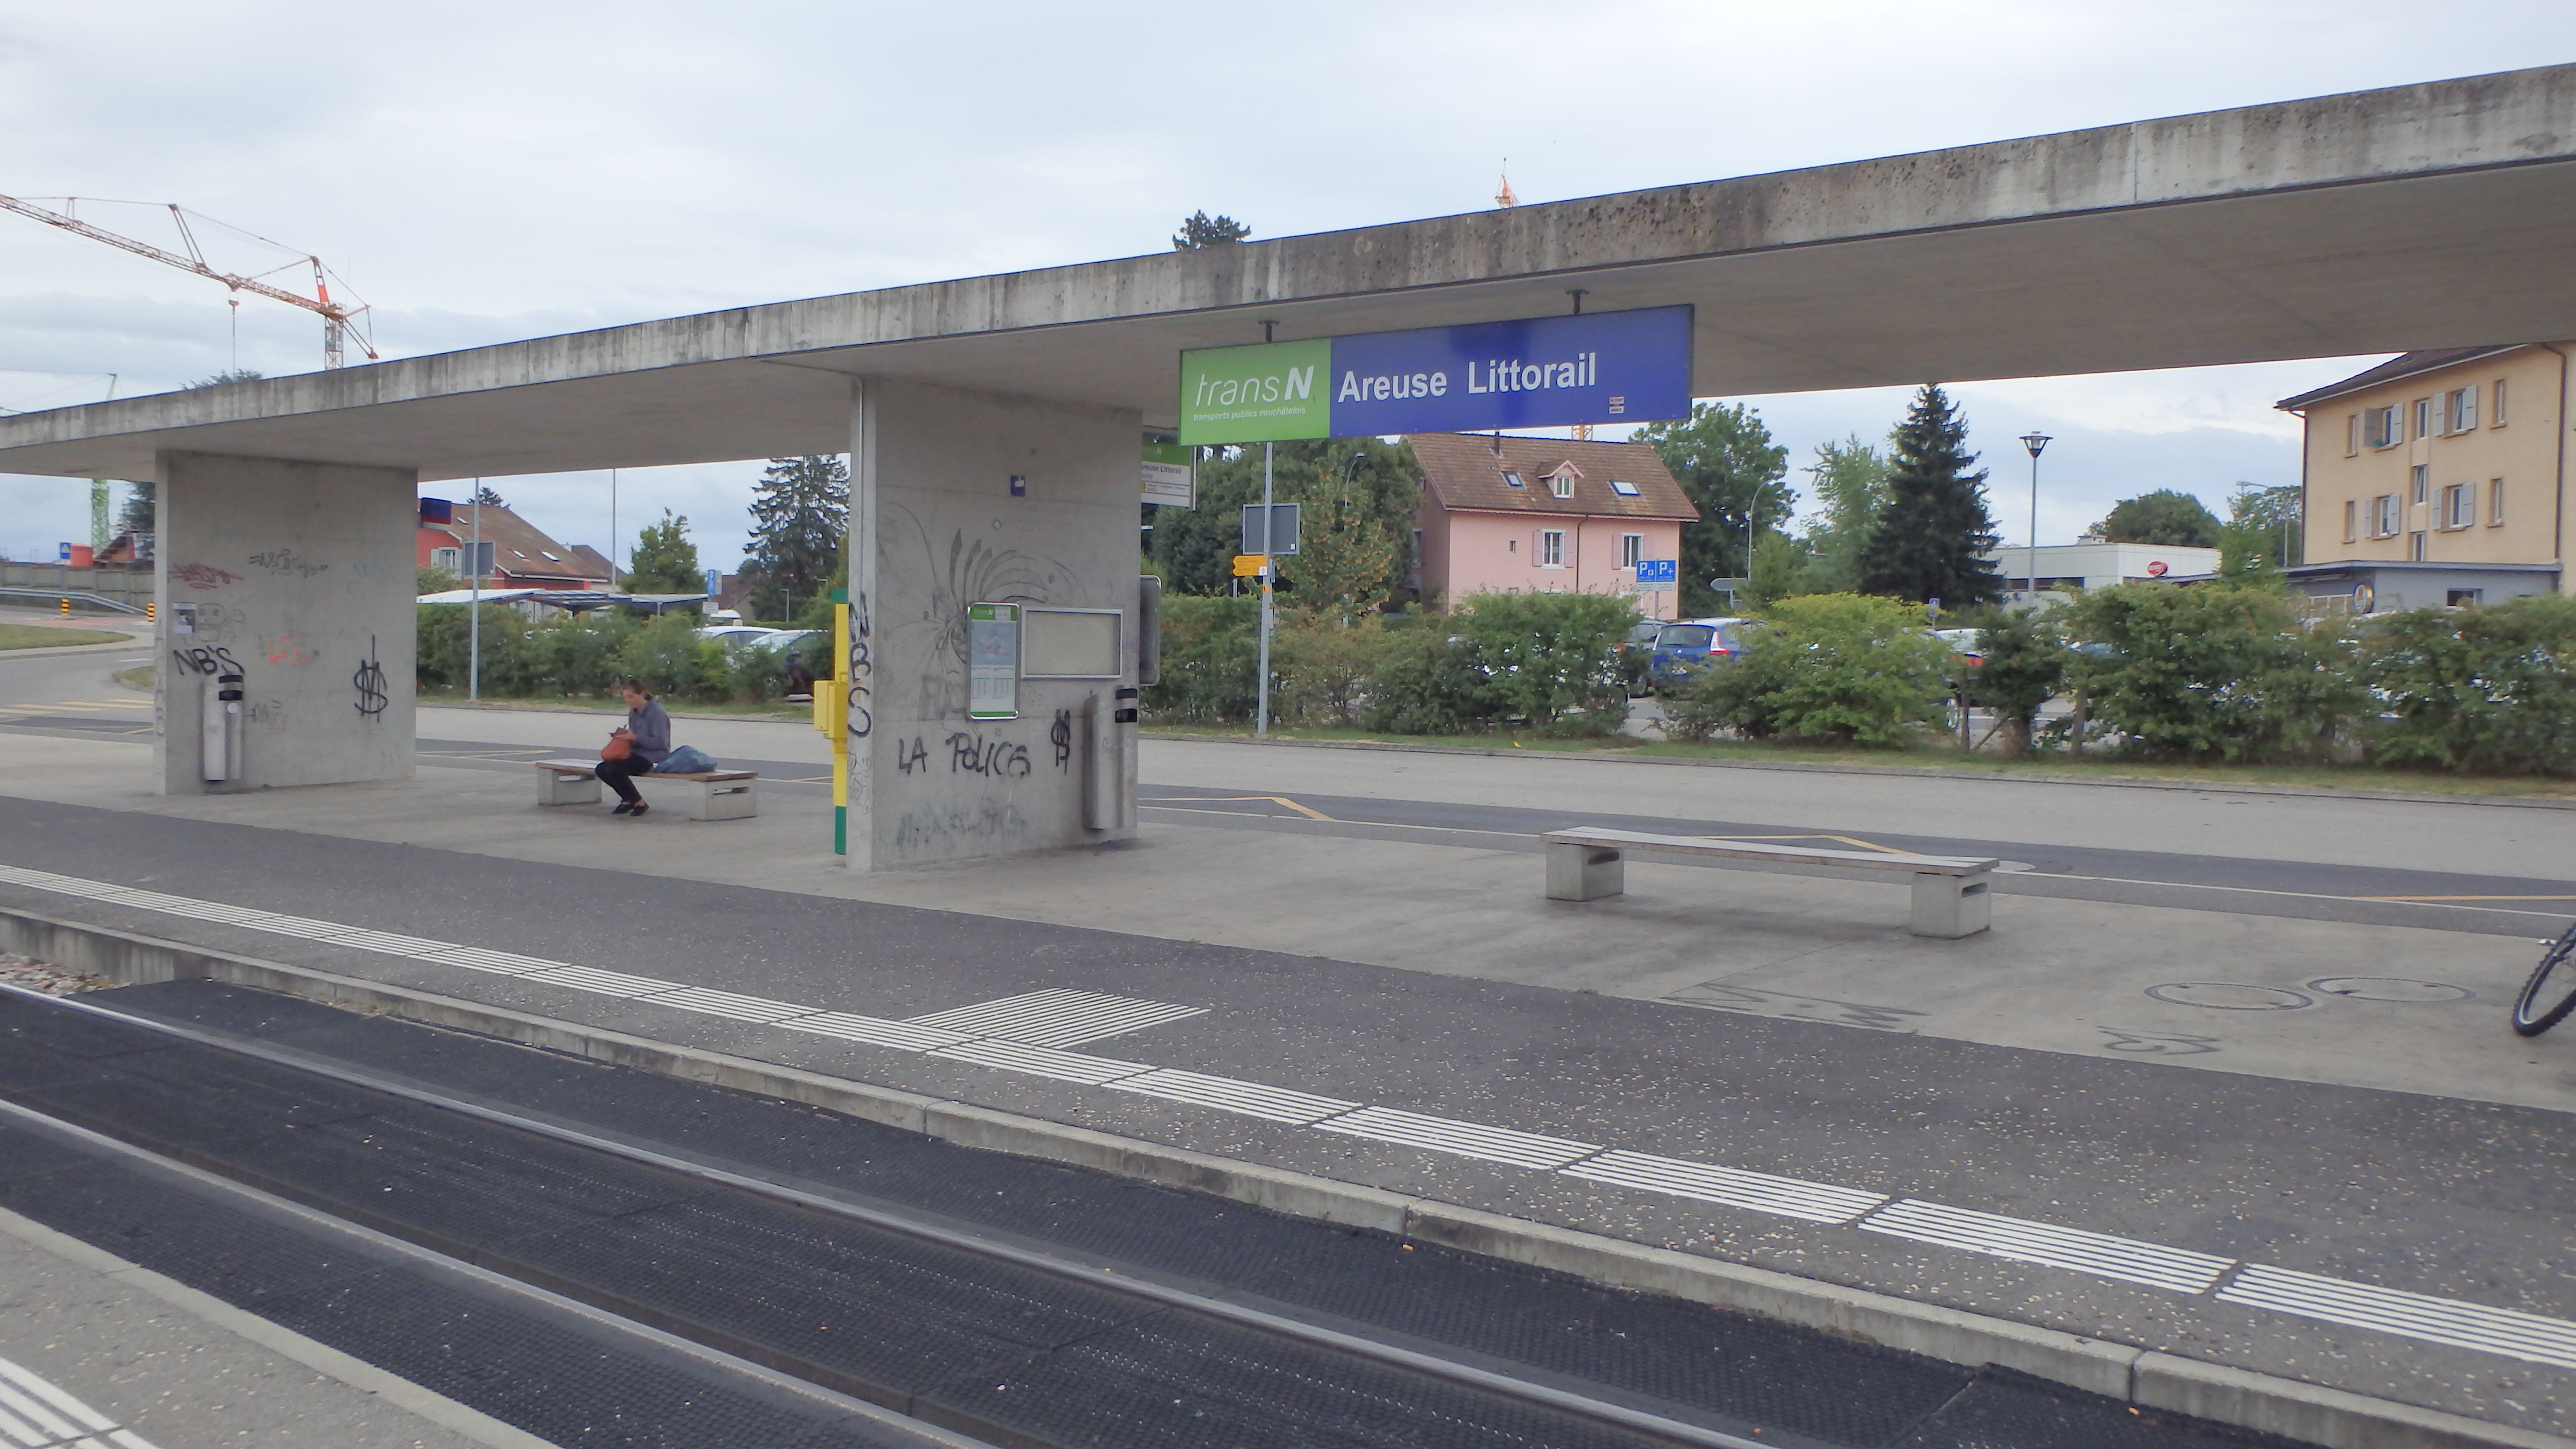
<point>484,172</point>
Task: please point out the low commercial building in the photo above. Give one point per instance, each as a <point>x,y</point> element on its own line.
<point>2437,478</point>
<point>1517,515</point>
<point>2065,567</point>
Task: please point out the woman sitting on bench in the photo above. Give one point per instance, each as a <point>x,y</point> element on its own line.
<point>647,734</point>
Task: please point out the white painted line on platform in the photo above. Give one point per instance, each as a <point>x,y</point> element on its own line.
<point>1466,1139</point>
<point>1042,1061</point>
<point>876,1031</point>
<point>606,983</point>
<point>726,1003</point>
<point>2050,1245</point>
<point>475,958</point>
<point>1053,1013</point>
<point>2505,1331</point>
<point>1251,1099</point>
<point>36,1413</point>
<point>1058,1016</point>
<point>1816,1202</point>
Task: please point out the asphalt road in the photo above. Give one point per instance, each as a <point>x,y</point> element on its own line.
<point>2245,870</point>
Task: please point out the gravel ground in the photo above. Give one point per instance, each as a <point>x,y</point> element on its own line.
<point>34,975</point>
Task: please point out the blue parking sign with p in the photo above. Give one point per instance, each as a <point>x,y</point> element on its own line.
<point>1658,570</point>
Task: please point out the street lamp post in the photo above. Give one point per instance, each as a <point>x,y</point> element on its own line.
<point>2034,440</point>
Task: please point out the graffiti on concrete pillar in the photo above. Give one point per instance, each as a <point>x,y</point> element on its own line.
<point>284,561</point>
<point>203,659</point>
<point>1060,735</point>
<point>202,576</point>
<point>863,669</point>
<point>911,755</point>
<point>997,759</point>
<point>369,681</point>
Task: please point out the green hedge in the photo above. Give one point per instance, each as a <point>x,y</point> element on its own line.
<point>1827,668</point>
<point>2214,673</point>
<point>566,656</point>
<point>1543,660</point>
<point>2478,690</point>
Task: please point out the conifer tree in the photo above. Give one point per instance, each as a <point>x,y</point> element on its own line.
<point>1934,524</point>
<point>799,510</point>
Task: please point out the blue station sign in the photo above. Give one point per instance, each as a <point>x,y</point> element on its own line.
<point>1535,372</point>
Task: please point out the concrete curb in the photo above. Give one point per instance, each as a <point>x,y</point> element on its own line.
<point>1607,757</point>
<point>2332,1417</point>
<point>357,1373</point>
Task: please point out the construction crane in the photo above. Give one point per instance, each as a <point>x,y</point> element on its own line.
<point>339,322</point>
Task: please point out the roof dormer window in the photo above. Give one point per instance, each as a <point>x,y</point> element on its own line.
<point>1561,484</point>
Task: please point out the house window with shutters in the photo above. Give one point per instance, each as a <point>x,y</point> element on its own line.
<point>450,559</point>
<point>1632,547</point>
<point>1551,549</point>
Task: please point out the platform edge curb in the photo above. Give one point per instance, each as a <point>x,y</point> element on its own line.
<point>2335,1418</point>
<point>463,1420</point>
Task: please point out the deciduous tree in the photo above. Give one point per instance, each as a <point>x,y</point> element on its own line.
<point>2167,516</point>
<point>664,560</point>
<point>1724,458</point>
<point>2265,532</point>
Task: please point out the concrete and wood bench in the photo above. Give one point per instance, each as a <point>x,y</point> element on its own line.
<point>1950,892</point>
<point>704,794</point>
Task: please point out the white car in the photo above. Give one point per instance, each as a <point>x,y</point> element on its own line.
<point>734,635</point>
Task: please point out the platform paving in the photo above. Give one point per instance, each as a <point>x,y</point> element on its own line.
<point>2407,1145</point>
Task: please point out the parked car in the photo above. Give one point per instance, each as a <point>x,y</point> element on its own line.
<point>1968,644</point>
<point>1684,648</point>
<point>731,635</point>
<point>1635,653</point>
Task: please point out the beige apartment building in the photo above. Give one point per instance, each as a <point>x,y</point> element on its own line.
<point>2437,478</point>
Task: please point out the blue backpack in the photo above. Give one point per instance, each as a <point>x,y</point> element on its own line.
<point>685,760</point>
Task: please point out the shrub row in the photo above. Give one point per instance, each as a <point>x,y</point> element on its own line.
<point>565,656</point>
<point>2202,674</point>
<point>1543,661</point>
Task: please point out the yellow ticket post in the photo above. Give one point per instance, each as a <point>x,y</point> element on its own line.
<point>832,717</point>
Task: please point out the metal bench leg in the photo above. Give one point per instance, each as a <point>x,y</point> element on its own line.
<point>1584,873</point>
<point>1951,906</point>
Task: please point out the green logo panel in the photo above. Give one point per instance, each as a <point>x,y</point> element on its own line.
<point>1266,393</point>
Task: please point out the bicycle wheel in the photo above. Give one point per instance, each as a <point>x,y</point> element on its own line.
<point>2551,993</point>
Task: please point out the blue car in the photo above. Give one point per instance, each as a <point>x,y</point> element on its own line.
<point>1684,649</point>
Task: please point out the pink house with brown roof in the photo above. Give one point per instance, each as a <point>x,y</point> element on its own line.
<point>1545,516</point>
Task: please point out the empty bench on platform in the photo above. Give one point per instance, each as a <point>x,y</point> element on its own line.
<point>1950,892</point>
<point>704,794</point>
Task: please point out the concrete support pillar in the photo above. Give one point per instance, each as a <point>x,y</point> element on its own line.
<point>297,577</point>
<point>961,498</point>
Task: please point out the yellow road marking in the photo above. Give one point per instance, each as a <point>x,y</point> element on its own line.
<point>1309,813</point>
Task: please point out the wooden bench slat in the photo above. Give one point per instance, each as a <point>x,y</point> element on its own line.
<point>585,767</point>
<point>1757,850</point>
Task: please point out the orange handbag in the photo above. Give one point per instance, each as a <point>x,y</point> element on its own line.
<point>617,748</point>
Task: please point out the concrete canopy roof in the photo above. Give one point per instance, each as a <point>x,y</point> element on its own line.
<point>2436,215</point>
